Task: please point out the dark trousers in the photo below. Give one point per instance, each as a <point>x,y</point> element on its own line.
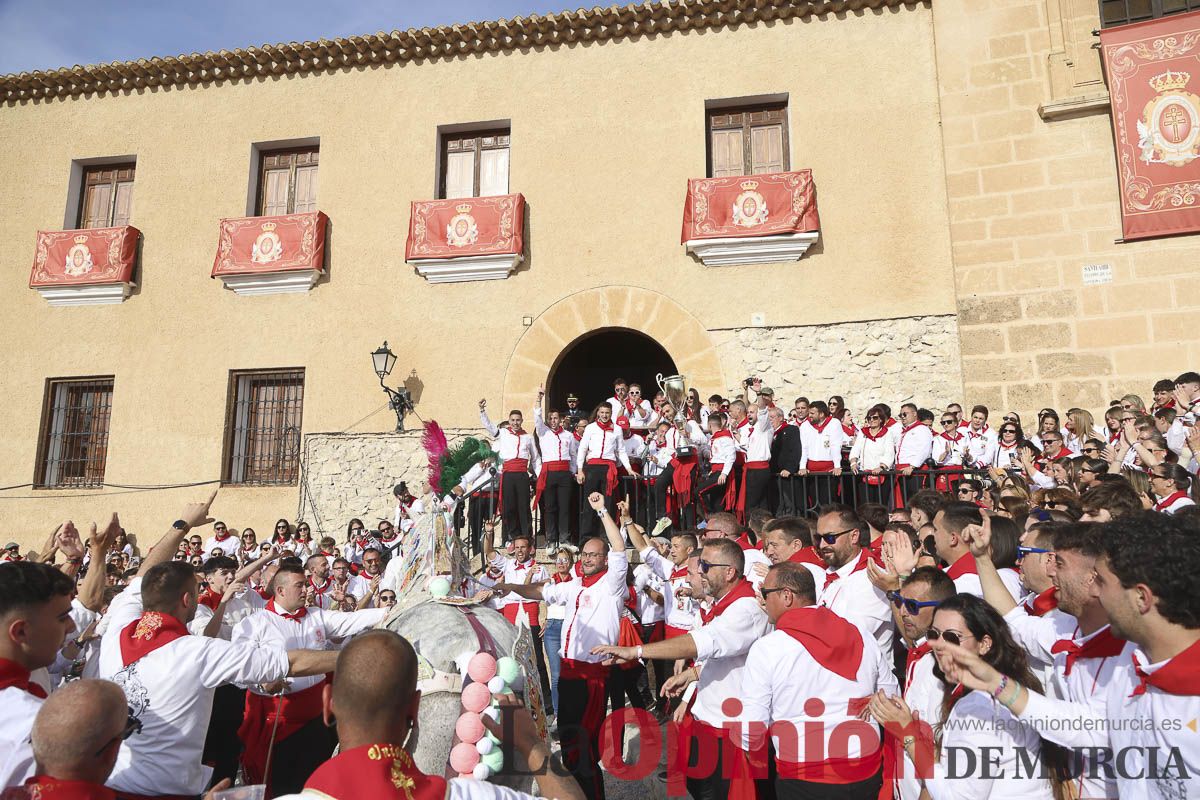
<point>595,479</point>
<point>712,492</point>
<point>910,485</point>
<point>222,747</point>
<point>556,506</point>
<point>514,505</point>
<point>662,484</point>
<point>881,493</point>
<point>580,747</point>
<point>715,785</point>
<point>297,757</point>
<point>810,790</point>
<point>662,669</point>
<point>758,486</point>
<point>787,496</point>
<point>478,509</point>
<point>535,632</point>
<point>822,489</point>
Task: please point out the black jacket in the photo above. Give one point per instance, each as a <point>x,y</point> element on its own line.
<point>785,450</point>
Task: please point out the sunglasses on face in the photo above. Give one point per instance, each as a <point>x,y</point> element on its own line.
<point>1010,419</point>
<point>1023,551</point>
<point>949,422</point>
<point>949,637</point>
<point>873,419</point>
<point>705,566</point>
<point>965,490</point>
<point>767,592</point>
<point>132,725</point>
<point>913,607</point>
<point>831,538</point>
<point>1009,430</point>
<point>387,598</point>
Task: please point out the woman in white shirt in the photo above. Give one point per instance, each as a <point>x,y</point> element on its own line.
<point>1018,760</point>
<point>874,452</point>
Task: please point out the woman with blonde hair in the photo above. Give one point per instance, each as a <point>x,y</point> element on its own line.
<point>1080,427</point>
<point>1140,482</point>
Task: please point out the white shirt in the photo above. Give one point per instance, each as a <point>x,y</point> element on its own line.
<point>514,575</point>
<point>602,444</point>
<point>478,476</point>
<point>267,628</point>
<point>757,438</point>
<point>878,453</point>
<point>915,445</point>
<point>1174,502</point>
<point>680,608</point>
<point>593,612</point>
<point>231,546</point>
<point>639,417</point>
<point>171,691</point>
<point>853,597</point>
<point>723,645</point>
<point>511,445</point>
<point>781,677</point>
<point>649,611</point>
<point>724,453</point>
<point>924,696</point>
<point>822,443</point>
<point>558,446</point>
<point>16,753</point>
<point>947,451</point>
<point>238,608</point>
<point>980,445</point>
<point>1005,456</point>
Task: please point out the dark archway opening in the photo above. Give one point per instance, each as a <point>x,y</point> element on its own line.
<point>588,366</point>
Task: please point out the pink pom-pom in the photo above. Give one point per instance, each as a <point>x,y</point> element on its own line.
<point>475,697</point>
<point>464,757</point>
<point>469,727</point>
<point>481,668</point>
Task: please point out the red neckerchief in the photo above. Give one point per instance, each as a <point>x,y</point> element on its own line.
<point>519,432</point>
<point>1114,436</point>
<point>861,564</point>
<point>890,422</point>
<point>741,589</point>
<point>320,589</point>
<point>604,426</point>
<point>820,428</point>
<point>1044,602</point>
<point>209,598</point>
<point>833,642</point>
<point>722,434</point>
<point>743,541</point>
<point>908,428</point>
<point>590,580</point>
<point>874,437</point>
<point>779,430</point>
<point>395,535</point>
<point>955,438</point>
<point>1102,645</point>
<point>679,572</point>
<point>221,538</point>
<point>13,674</point>
<point>558,577</point>
<point>1167,501</point>
<point>629,406</point>
<point>745,421</point>
<point>982,431</point>
<point>578,436</point>
<point>375,770</point>
<point>1179,676</point>
<point>43,787</point>
<point>965,565</point>
<point>526,565</point>
<point>1062,453</point>
<point>147,633</point>
<point>295,616</point>
<point>915,654</point>
<point>807,555</point>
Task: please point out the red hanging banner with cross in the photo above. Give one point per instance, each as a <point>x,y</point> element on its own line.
<point>1153,72</point>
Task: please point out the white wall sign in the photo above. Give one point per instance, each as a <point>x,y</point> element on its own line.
<point>1096,274</point>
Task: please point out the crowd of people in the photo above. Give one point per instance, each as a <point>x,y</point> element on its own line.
<point>970,613</point>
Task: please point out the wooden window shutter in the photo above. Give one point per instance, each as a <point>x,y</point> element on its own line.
<point>460,174</point>
<point>96,204</point>
<point>306,189</point>
<point>275,192</point>
<point>766,149</point>
<point>727,153</point>
<point>493,172</point>
<point>123,203</point>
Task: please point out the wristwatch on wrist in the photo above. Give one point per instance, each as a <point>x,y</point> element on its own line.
<point>180,525</point>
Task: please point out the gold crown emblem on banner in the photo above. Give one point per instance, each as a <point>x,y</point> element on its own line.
<point>268,226</point>
<point>81,239</point>
<point>1169,81</point>
<point>463,208</point>
<point>749,186</point>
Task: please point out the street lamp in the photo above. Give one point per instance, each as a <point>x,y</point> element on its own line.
<point>400,401</point>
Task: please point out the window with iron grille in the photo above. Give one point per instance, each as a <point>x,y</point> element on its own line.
<point>262,425</point>
<point>1122,12</point>
<point>73,444</point>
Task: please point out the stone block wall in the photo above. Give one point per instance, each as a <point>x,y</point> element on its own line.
<point>865,362</point>
<point>1032,186</point>
<point>347,475</point>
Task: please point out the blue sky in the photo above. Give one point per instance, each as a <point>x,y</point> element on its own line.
<point>46,34</point>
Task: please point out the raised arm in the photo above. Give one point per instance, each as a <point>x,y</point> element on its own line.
<point>303,663</point>
<point>979,540</point>
<point>254,566</point>
<point>616,542</point>
<point>539,426</point>
<point>194,515</point>
<point>91,588</point>
<point>492,430</point>
<point>636,535</point>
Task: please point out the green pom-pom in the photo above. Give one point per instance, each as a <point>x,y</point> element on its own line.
<point>508,668</point>
<point>494,760</point>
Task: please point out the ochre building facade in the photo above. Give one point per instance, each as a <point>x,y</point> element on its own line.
<point>961,154</point>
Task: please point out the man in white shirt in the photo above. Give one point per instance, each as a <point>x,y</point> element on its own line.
<point>600,450</point>
<point>593,617</point>
<point>169,676</point>
<point>821,443</point>
<point>679,457</point>
<point>806,683</point>
<point>719,487</point>
<point>35,620</point>
<point>518,459</point>
<point>914,446</point>
<point>554,485</point>
<point>724,525</point>
<point>522,568</point>
<point>731,626</point>
<point>301,739</point>
<point>636,409</point>
<point>952,547</point>
<point>847,589</point>
<point>223,540</point>
<point>980,440</point>
<point>752,427</point>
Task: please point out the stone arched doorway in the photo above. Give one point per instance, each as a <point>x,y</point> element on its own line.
<point>554,331</point>
<point>588,366</point>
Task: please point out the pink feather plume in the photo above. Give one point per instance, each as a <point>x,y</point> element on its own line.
<point>435,444</point>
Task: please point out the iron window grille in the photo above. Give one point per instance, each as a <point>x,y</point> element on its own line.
<point>262,424</point>
<point>1123,12</point>
<point>73,443</point>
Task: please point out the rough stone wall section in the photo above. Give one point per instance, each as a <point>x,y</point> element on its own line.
<point>347,475</point>
<point>865,362</point>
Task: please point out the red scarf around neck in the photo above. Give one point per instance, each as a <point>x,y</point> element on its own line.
<point>14,675</point>
<point>915,654</point>
<point>590,580</point>
<point>604,426</point>
<point>209,598</point>
<point>1044,602</point>
<point>874,437</point>
<point>820,427</point>
<point>1166,502</point>
<point>807,555</point>
<point>965,565</point>
<point>722,434</point>
<point>43,787</point>
<point>294,616</point>
<point>1179,676</point>
<point>833,642</point>
<point>861,564</point>
<point>147,633</point>
<point>1103,645</point>
<point>375,770</point>
<point>740,590</point>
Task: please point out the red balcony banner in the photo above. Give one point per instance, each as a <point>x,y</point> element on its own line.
<point>1153,71</point>
<point>467,226</point>
<point>288,243</point>
<point>750,205</point>
<point>84,257</point>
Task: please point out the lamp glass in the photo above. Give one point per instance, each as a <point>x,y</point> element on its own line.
<point>383,359</point>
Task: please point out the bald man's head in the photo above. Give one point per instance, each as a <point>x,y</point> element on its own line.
<point>77,722</point>
<point>375,680</point>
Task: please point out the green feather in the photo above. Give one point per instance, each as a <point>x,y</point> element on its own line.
<point>459,459</point>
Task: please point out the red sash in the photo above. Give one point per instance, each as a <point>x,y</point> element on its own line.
<point>611,480</point>
<point>509,611</point>
<point>294,711</point>
<point>820,466</point>
<point>375,770</point>
<point>749,465</point>
<point>43,787</point>
<point>15,675</point>
<point>596,677</point>
<point>741,766</point>
<point>681,481</point>
<point>147,633</point>
<point>1102,645</point>
<point>547,468</point>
